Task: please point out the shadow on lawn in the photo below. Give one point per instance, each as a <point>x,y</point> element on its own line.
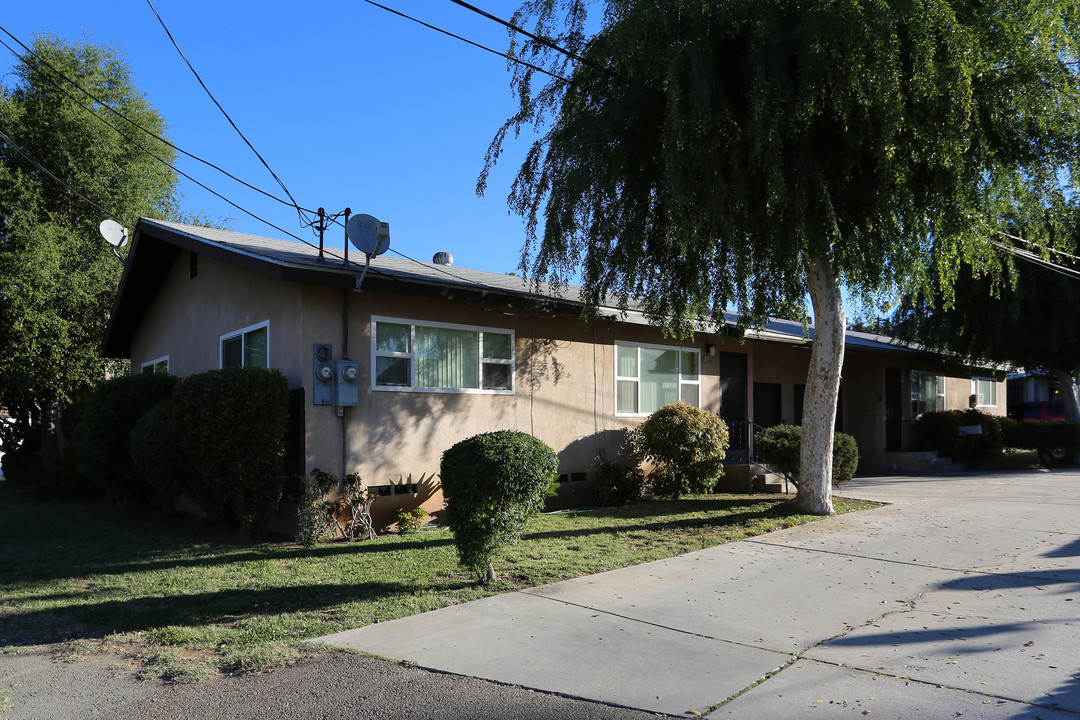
<point>83,618</point>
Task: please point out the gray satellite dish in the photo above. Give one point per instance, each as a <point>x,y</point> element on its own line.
<point>114,233</point>
<point>368,235</point>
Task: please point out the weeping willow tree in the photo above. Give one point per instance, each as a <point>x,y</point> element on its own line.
<point>703,155</point>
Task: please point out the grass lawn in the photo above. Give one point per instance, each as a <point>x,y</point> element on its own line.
<point>181,607</point>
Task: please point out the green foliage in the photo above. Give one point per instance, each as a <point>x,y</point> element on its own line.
<point>102,440</point>
<point>689,442</point>
<point>494,483</point>
<point>1045,438</point>
<point>619,481</point>
<point>409,520</point>
<point>317,515</point>
<point>233,435</point>
<point>845,457</point>
<point>940,431</point>
<point>57,277</point>
<point>780,448</point>
<point>155,452</point>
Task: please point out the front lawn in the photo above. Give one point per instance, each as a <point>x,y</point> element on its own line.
<point>181,607</point>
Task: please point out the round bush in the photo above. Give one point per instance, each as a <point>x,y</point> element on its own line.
<point>103,436</point>
<point>780,447</point>
<point>690,442</point>
<point>233,437</point>
<point>156,454</point>
<point>493,484</point>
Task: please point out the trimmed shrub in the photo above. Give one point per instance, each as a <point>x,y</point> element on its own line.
<point>102,439</point>
<point>780,447</point>
<point>845,458</point>
<point>494,483</point>
<point>689,443</point>
<point>940,431</point>
<point>1045,438</point>
<point>619,481</point>
<point>232,432</point>
<point>157,455</point>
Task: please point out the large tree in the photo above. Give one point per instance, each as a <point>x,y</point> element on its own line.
<point>62,171</point>
<point>705,155</point>
<point>1027,317</point>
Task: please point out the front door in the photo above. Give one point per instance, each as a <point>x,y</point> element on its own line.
<point>731,367</point>
<point>894,405</point>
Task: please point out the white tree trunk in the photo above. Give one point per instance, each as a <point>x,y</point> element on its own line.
<point>822,387</point>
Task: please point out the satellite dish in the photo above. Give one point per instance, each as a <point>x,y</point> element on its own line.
<point>114,233</point>
<point>368,235</point>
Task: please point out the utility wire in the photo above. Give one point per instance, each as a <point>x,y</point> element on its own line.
<point>1036,245</point>
<point>135,143</point>
<point>15,146</point>
<point>128,120</point>
<point>542,40</point>
<point>1036,259</point>
<point>466,40</point>
<point>299,211</point>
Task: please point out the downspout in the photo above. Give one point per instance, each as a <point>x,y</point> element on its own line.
<point>345,356</point>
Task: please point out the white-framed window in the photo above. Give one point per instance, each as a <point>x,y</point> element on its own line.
<point>648,377</point>
<point>927,392</point>
<point>160,365</point>
<point>247,347</point>
<point>985,391</point>
<point>410,355</point>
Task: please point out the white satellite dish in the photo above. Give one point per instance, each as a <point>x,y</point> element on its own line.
<point>114,233</point>
<point>368,235</point>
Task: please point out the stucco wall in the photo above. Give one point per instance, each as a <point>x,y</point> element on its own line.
<point>564,375</point>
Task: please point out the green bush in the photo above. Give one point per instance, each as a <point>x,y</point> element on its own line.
<point>689,443</point>
<point>1045,438</point>
<point>845,459</point>
<point>102,439</point>
<point>619,481</point>
<point>409,520</point>
<point>780,447</point>
<point>157,455</point>
<point>233,437</point>
<point>940,431</point>
<point>493,484</point>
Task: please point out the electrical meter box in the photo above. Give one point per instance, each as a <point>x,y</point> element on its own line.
<point>322,389</point>
<point>346,383</point>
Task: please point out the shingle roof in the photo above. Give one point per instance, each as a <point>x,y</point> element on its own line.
<point>157,241</point>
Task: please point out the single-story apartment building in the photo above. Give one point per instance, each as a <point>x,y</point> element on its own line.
<point>422,355</point>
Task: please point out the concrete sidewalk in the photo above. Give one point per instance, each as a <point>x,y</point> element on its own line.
<point>960,598</point>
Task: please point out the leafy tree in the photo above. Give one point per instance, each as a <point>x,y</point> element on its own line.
<point>1027,317</point>
<point>705,156</point>
<point>57,277</point>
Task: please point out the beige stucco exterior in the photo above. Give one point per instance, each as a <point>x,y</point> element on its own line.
<point>564,376</point>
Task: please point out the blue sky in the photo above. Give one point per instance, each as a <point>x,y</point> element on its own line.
<point>350,105</point>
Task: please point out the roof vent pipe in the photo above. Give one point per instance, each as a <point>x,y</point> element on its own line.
<point>443,258</point>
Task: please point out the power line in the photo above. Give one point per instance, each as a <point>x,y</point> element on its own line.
<point>15,146</point>
<point>128,120</point>
<point>141,147</point>
<point>1036,245</point>
<point>1036,259</point>
<point>466,40</point>
<point>542,40</point>
<point>300,213</point>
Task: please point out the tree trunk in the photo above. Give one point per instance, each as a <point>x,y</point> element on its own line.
<point>822,387</point>
<point>1070,389</point>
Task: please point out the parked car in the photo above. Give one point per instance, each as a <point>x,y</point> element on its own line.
<point>1038,412</point>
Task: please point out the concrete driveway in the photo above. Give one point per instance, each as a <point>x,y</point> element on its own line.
<point>961,598</point>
